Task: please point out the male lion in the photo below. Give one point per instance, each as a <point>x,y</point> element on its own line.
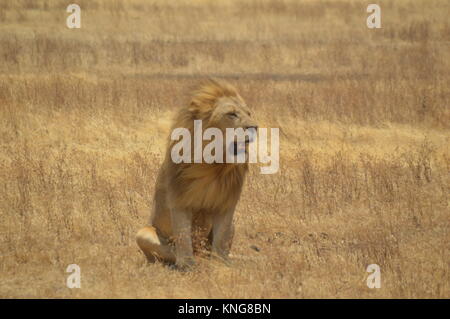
<point>194,203</point>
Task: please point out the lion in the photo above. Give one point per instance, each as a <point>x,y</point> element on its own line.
<point>194,203</point>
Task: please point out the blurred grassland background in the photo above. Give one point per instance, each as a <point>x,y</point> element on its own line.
<point>364,134</point>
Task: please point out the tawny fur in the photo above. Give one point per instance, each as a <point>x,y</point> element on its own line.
<point>206,193</point>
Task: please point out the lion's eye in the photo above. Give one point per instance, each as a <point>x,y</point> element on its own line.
<point>232,115</point>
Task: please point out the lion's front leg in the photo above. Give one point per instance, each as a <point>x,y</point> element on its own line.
<point>181,228</point>
<point>223,232</point>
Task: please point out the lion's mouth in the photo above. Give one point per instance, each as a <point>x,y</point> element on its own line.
<point>240,147</point>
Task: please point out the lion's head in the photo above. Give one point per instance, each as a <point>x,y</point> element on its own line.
<point>218,105</point>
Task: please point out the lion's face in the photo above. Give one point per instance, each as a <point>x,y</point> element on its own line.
<point>232,112</point>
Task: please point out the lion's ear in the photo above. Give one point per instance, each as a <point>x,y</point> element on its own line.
<point>194,111</point>
<point>205,97</point>
<point>199,112</point>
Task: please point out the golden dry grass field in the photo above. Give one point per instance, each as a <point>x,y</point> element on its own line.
<point>364,118</point>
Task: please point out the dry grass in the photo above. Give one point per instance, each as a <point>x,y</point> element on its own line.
<point>364,116</point>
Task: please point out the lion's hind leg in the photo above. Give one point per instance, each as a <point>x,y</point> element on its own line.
<point>154,247</point>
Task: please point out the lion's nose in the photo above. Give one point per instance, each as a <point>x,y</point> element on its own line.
<point>252,127</point>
